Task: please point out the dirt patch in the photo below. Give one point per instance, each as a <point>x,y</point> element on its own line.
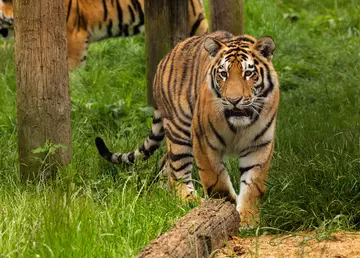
<point>337,245</point>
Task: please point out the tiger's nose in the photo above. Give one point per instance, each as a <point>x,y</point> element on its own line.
<point>235,100</point>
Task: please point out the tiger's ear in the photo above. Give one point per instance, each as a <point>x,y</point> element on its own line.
<point>265,46</point>
<point>213,46</point>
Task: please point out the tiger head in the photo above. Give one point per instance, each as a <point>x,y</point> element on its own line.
<point>242,76</point>
<point>6,19</point>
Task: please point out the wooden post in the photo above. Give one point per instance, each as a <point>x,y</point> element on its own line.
<point>166,24</point>
<point>227,15</point>
<point>42,92</point>
<point>203,230</point>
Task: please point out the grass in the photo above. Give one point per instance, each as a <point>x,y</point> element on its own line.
<point>315,176</point>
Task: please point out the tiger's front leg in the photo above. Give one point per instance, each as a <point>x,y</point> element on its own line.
<point>254,168</point>
<point>212,171</point>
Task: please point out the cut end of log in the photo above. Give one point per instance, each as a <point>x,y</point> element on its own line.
<point>197,234</point>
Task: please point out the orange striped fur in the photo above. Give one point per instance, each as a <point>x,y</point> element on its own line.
<point>216,95</point>
<point>94,20</point>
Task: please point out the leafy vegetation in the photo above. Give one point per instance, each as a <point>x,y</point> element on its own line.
<point>97,209</point>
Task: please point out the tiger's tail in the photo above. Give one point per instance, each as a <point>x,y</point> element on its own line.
<point>150,145</point>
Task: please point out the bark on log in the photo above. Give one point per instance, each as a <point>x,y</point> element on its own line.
<point>198,234</point>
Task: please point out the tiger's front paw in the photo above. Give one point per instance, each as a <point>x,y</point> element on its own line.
<point>249,218</point>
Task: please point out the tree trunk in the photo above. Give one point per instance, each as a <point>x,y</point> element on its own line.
<point>166,24</point>
<point>227,15</point>
<point>203,230</point>
<point>42,94</point>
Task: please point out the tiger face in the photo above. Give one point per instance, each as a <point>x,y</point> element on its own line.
<point>6,19</point>
<point>237,76</point>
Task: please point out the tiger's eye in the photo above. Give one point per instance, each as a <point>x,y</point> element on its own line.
<point>223,74</point>
<point>248,73</point>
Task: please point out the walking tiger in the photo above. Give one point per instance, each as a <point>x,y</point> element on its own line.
<point>215,95</point>
<point>94,20</point>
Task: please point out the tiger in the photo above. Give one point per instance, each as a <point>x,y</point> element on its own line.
<point>95,20</point>
<point>215,95</point>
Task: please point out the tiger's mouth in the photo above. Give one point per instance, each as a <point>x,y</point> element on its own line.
<point>235,112</point>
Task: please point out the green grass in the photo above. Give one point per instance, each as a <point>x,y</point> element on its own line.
<point>88,212</point>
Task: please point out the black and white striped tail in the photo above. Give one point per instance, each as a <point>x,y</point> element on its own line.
<point>152,143</point>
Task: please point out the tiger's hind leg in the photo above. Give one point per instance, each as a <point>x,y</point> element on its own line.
<point>78,41</point>
<point>179,160</point>
<point>254,172</point>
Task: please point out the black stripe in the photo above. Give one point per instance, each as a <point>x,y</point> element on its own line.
<point>141,16</point>
<point>188,92</point>
<point>119,11</point>
<point>196,24</point>
<point>184,131</point>
<point>258,188</point>
<point>78,15</point>
<point>262,74</point>
<point>243,170</point>
<point>182,167</point>
<point>157,138</point>
<point>109,28</point>
<point>167,95</point>
<point>197,59</point>
<point>187,116</point>
<point>119,158</point>
<point>215,87</point>
<point>210,144</point>
<point>68,11</point>
<point>267,126</point>
<point>243,181</point>
<point>246,39</point>
<point>244,57</point>
<point>182,180</point>
<point>231,126</point>
<point>105,10</point>
<point>182,82</point>
<point>176,157</point>
<point>270,88</point>
<point>131,157</point>
<point>254,148</point>
<point>147,152</point>
<point>83,21</point>
<point>156,120</point>
<point>162,67</point>
<point>132,14</point>
<point>198,119</point>
<point>200,143</point>
<point>174,138</point>
<point>218,136</point>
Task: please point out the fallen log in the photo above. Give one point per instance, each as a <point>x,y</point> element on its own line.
<point>203,230</point>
